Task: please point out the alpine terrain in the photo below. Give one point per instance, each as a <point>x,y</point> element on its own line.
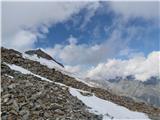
<point>34,86</point>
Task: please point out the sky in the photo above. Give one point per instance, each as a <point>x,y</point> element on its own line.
<point>99,40</point>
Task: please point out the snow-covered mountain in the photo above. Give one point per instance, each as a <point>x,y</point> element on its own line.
<point>42,57</point>
<point>34,86</point>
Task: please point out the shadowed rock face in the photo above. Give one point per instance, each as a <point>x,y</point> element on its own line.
<point>30,85</point>
<point>42,54</point>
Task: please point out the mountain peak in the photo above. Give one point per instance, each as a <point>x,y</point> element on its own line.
<point>39,54</point>
<point>42,54</point>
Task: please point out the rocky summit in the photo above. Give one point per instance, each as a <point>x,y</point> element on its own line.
<point>33,91</point>
<point>42,54</point>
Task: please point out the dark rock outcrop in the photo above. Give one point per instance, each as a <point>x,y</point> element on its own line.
<point>42,54</point>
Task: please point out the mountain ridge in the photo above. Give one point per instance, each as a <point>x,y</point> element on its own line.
<point>11,57</point>
<point>41,53</point>
<point>147,91</point>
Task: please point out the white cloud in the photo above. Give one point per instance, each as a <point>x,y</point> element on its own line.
<point>130,53</point>
<point>91,10</point>
<point>34,16</point>
<point>72,40</point>
<point>17,16</point>
<point>73,69</point>
<point>78,70</point>
<point>23,40</point>
<point>82,53</point>
<point>22,21</point>
<point>142,68</point>
<point>76,54</point>
<point>92,54</point>
<point>145,9</point>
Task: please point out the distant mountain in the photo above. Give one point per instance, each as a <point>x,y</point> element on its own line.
<point>152,81</point>
<point>34,87</point>
<point>147,91</point>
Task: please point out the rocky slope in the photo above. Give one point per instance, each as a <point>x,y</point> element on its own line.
<point>26,96</point>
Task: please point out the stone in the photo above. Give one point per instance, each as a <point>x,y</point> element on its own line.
<point>55,106</point>
<point>15,104</point>
<point>59,112</point>
<point>25,114</point>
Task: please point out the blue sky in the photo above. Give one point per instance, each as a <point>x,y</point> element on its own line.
<point>90,37</point>
<point>62,31</point>
<point>100,27</point>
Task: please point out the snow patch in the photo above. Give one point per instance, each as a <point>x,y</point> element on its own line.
<point>18,68</point>
<point>108,109</point>
<point>49,63</point>
<point>25,71</point>
<point>9,76</point>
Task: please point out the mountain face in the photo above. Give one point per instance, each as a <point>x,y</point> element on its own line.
<point>147,91</point>
<point>32,90</point>
<point>42,54</point>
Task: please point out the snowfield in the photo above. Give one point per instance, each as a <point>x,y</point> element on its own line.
<point>108,109</point>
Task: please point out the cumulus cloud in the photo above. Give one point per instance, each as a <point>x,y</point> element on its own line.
<point>145,9</point>
<point>22,40</point>
<point>78,54</point>
<point>24,22</point>
<point>142,68</point>
<point>75,53</point>
<point>72,40</point>
<point>78,70</point>
<point>90,12</point>
<point>73,69</point>
<point>32,16</point>
<point>36,17</point>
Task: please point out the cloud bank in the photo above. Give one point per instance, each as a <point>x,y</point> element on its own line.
<point>23,23</point>
<point>81,54</point>
<point>144,9</point>
<point>142,68</point>
<point>33,18</point>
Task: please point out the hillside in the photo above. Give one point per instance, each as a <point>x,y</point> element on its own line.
<point>32,89</point>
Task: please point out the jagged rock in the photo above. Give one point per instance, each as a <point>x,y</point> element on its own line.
<point>42,54</point>
<point>86,94</point>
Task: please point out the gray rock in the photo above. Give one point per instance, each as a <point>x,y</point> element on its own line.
<point>25,114</point>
